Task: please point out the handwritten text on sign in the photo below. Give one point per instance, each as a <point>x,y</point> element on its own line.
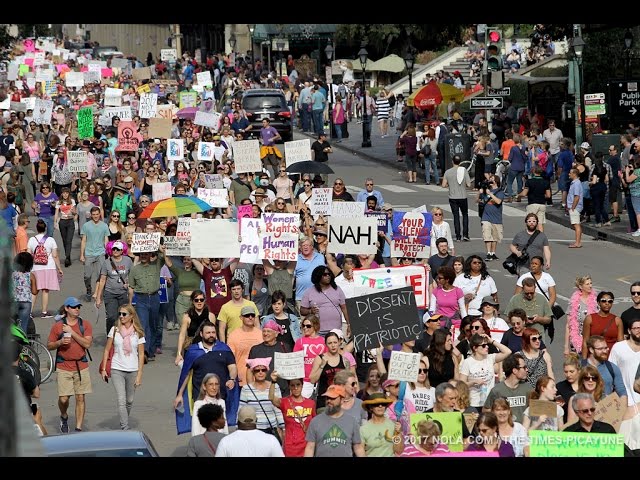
<point>176,246</point>
<point>297,151</point>
<point>246,156</point>
<point>78,161</point>
<point>404,366</point>
<point>353,235</point>
<point>279,240</point>
<point>386,318</point>
<point>347,209</point>
<point>289,365</point>
<point>250,245</point>
<point>411,234</point>
<point>320,201</point>
<point>371,280</point>
<point>145,242</point>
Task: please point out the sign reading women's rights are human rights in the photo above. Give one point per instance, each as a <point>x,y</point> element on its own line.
<point>411,234</point>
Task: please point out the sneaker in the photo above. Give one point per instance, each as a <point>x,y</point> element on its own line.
<point>64,424</point>
<point>488,257</point>
<point>78,429</point>
<point>615,219</point>
<point>466,239</point>
<point>169,325</point>
<point>158,351</point>
<point>494,256</point>
<point>636,233</point>
<point>46,315</point>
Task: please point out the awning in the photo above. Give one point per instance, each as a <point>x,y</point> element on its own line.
<point>391,63</point>
<point>522,78</point>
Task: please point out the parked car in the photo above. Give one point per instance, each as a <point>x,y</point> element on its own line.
<point>109,443</point>
<point>261,103</point>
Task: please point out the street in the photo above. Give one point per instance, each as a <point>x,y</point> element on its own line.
<point>610,265</point>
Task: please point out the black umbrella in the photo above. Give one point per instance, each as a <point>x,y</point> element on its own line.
<point>310,166</point>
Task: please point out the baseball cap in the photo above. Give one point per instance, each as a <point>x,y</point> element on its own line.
<point>72,302</point>
<point>585,145</point>
<point>247,414</point>
<point>435,316</point>
<point>492,136</point>
<point>338,332</point>
<point>246,310</point>
<point>387,206</point>
<point>334,391</point>
<point>117,245</point>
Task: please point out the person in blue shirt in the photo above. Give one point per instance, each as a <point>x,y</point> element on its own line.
<point>563,164</point>
<point>363,194</point>
<point>609,371</point>
<point>491,198</point>
<point>240,124</point>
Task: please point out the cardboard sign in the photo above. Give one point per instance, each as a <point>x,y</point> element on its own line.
<point>85,123</point>
<point>141,73</point>
<point>538,408</point>
<point>348,209</point>
<point>188,99</point>
<point>404,366</point>
<point>160,127</point>
<point>370,280</point>
<point>91,77</point>
<point>74,79</point>
<point>168,55</point>
<point>205,151</point>
<point>175,149</point>
<point>217,238</point>
<point>146,88</point>
<point>204,79</point>
<point>18,106</point>
<point>216,197</point>
<point>147,106</point>
<point>128,136</point>
<point>250,245</point>
<point>119,62</point>
<point>246,156</point>
<point>213,180</point>
<point>388,318</point>
<point>411,234</point>
<point>113,97</point>
<point>145,242</point>
<point>177,246</point>
<point>297,151</point>
<point>353,235</point>
<point>279,237</point>
<point>211,120</point>
<point>161,190</point>
<point>611,410</point>
<point>78,161</point>
<point>289,365</point>
<point>166,111</point>
<point>574,444</point>
<point>320,203</point>
<point>451,427</point>
<point>123,113</point>
<point>43,111</point>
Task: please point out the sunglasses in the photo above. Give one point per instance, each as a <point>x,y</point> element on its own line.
<point>260,370</point>
<point>250,315</point>
<point>116,249</point>
<point>589,378</point>
<point>423,370</point>
<point>484,345</point>
<point>75,306</point>
<point>198,300</point>
<point>606,300</point>
<point>123,314</point>
<point>437,214</point>
<point>354,384</point>
<point>338,183</point>
<point>476,327</point>
<point>584,411</point>
<point>320,224</point>
<point>115,216</point>
<point>306,325</point>
<point>131,218</point>
<point>635,293</point>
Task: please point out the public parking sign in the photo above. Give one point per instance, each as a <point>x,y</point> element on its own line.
<point>480,103</point>
<point>624,101</point>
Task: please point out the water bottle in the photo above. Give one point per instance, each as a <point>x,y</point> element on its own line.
<point>180,409</point>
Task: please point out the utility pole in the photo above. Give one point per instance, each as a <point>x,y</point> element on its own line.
<point>178,37</point>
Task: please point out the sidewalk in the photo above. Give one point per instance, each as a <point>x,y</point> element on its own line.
<point>383,151</point>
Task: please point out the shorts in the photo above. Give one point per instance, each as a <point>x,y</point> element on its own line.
<point>564,183</point>
<point>574,217</point>
<point>70,383</point>
<point>539,210</point>
<point>615,195</point>
<point>410,162</point>
<point>635,202</point>
<point>491,232</point>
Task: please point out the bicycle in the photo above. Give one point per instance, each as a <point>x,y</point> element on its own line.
<point>35,356</point>
<point>46,361</point>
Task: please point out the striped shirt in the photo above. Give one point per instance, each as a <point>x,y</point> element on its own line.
<point>382,106</point>
<point>259,400</point>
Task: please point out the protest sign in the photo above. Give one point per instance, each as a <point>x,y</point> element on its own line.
<point>44,74</point>
<point>279,237</point>
<point>113,97</point>
<point>168,55</point>
<point>213,180</point>
<point>205,151</point>
<point>5,104</point>
<point>538,408</point>
<point>381,219</point>
<point>411,234</point>
<point>175,149</point>
<point>289,365</point>
<point>18,106</point>
<point>216,197</point>
<point>297,151</point>
<point>204,79</point>
<point>12,72</point>
<point>370,280</point>
<point>128,136</point>
<point>246,156</point>
<point>385,317</point>
<point>29,102</point>
<point>85,123</point>
<point>216,238</point>
<point>119,62</point>
<point>148,102</point>
<point>166,111</point>
<point>546,443</point>
<point>91,76</point>
<point>353,235</point>
<point>320,203</point>
<point>146,88</point>
<point>160,127</point>
<point>74,79</point>
<point>31,83</point>
<point>145,242</point>
<point>450,424</point>
<point>123,113</point>
<point>404,366</point>
<point>611,410</point>
<point>161,190</point>
<point>188,99</point>
<point>177,246</point>
<point>211,120</point>
<point>78,161</point>
<point>244,211</point>
<point>141,73</point>
<point>348,209</point>
<point>50,88</point>
<point>250,245</point>
<point>163,293</point>
<point>42,111</point>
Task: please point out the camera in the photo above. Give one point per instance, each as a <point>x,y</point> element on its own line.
<point>484,186</point>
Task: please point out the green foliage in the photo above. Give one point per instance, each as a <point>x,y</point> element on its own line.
<point>26,30</point>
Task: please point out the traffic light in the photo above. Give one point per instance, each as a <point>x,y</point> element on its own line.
<point>494,37</point>
<point>494,49</point>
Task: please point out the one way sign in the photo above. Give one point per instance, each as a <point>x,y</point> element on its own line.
<point>479,103</point>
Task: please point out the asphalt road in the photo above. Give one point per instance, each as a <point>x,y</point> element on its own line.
<point>611,267</point>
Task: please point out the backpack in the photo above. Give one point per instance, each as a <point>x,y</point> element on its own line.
<point>84,358</point>
<point>40,254</point>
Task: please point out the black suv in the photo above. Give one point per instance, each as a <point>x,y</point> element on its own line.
<point>261,103</point>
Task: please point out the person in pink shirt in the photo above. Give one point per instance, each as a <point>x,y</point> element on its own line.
<point>313,345</point>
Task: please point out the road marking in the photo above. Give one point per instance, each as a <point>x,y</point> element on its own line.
<point>431,188</point>
<point>397,188</point>
<point>353,187</point>
<point>506,211</point>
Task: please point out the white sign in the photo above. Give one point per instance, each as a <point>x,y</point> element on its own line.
<point>5,104</point>
<point>123,113</point>
<point>250,245</point>
<point>161,190</point>
<point>217,238</point>
<point>204,79</point>
<point>91,77</point>
<point>348,209</point>
<point>213,180</point>
<point>353,235</point>
<point>216,197</point>
<point>113,97</point>
<point>175,148</point>
<point>38,59</point>
<point>44,74</point>
<point>12,72</point>
<point>320,201</point>
<point>168,55</point>
<point>211,120</point>
<point>74,79</point>
<point>205,151</point>
<point>404,366</point>
<point>148,103</point>
<point>78,161</point>
<point>145,242</point>
<point>373,280</point>
<point>29,103</point>
<point>289,365</point>
<point>246,156</point>
<point>119,63</point>
<point>42,111</point>
<point>297,151</point>
<point>176,246</point>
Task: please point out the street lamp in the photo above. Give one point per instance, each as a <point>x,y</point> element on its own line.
<point>409,60</point>
<point>251,27</point>
<point>628,43</point>
<point>366,123</point>
<point>577,45</point>
<point>329,53</point>
<point>232,42</point>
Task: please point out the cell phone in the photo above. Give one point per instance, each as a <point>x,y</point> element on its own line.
<point>34,408</point>
<point>106,379</point>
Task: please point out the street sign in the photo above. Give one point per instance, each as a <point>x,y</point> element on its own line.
<point>594,104</point>
<point>499,92</point>
<point>479,103</point>
<point>624,102</point>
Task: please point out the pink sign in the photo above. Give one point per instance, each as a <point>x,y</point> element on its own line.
<point>29,61</point>
<point>29,45</point>
<point>244,211</point>
<point>106,73</point>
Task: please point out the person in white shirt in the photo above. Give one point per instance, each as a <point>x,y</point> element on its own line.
<point>247,441</point>
<point>553,135</point>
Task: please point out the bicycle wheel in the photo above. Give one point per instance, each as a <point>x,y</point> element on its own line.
<point>29,364</point>
<point>45,359</point>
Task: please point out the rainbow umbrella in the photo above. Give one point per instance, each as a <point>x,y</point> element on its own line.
<point>174,207</point>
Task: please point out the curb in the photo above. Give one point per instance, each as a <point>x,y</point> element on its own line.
<point>597,233</point>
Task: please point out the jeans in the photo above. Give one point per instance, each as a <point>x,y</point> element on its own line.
<point>112,303</point>
<point>168,311</point>
<point>460,205</point>
<point>49,222</point>
<point>598,193</point>
<point>633,221</point>
<point>124,384</point>
<point>511,176</point>
<point>148,310</point>
<point>24,311</point>
<point>338,130</point>
<point>429,162</point>
<point>367,127</point>
<point>305,115</point>
<point>91,267</point>
<point>318,122</point>
<point>67,229</point>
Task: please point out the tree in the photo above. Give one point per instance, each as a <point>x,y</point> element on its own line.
<point>26,30</point>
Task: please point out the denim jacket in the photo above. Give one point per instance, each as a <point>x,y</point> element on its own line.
<point>294,323</point>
